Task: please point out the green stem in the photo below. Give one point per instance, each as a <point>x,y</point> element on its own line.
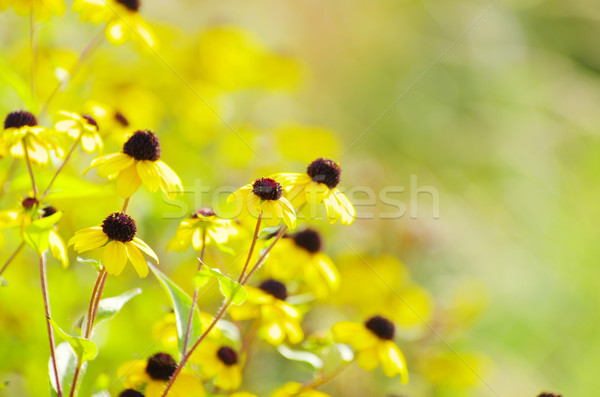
<point>45,294</point>
<point>12,257</point>
<point>29,169</point>
<point>195,297</point>
<point>252,245</point>
<point>61,166</point>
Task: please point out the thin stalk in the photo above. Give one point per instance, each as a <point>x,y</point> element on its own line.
<point>321,380</point>
<point>126,204</point>
<point>29,169</point>
<point>195,297</point>
<point>253,244</point>
<point>61,166</point>
<point>264,254</point>
<point>44,285</point>
<point>12,257</point>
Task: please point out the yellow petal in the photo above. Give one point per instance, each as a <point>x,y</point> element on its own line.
<point>368,359</point>
<point>111,164</point>
<point>128,181</point>
<point>137,259</point>
<point>144,247</point>
<point>57,247</point>
<point>149,174</point>
<point>114,257</point>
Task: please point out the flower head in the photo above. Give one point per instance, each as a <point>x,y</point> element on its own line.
<point>295,389</point>
<point>131,393</point>
<point>82,127</point>
<point>219,361</point>
<point>319,185</point>
<point>264,197</point>
<point>139,162</point>
<point>117,237</point>
<point>203,227</point>
<point>373,341</point>
<point>21,131</point>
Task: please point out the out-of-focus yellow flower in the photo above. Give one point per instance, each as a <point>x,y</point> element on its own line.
<point>82,127</point>
<point>152,376</point>
<point>123,20</point>
<point>29,211</point>
<point>203,222</point>
<point>42,9</point>
<point>317,186</point>
<point>117,237</point>
<point>299,257</point>
<point>114,122</point>
<point>297,142</point>
<point>21,131</point>
<point>139,162</point>
<point>220,362</point>
<point>278,320</point>
<point>242,394</point>
<point>264,197</point>
<point>165,329</point>
<point>374,344</point>
<point>295,389</point>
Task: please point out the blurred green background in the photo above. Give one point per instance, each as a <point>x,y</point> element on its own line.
<point>505,127</point>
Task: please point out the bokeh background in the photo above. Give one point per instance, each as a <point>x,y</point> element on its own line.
<point>495,109</point>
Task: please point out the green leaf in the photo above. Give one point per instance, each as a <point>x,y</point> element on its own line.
<point>268,232</point>
<point>109,307</point>
<point>37,234</point>
<point>92,262</point>
<point>84,348</point>
<point>232,290</point>
<point>181,304</point>
<point>299,355</point>
<point>66,363</point>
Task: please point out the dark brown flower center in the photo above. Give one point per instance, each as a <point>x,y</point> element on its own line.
<point>308,239</point>
<point>325,171</point>
<point>130,393</point>
<point>274,288</point>
<point>29,202</point>
<point>204,212</point>
<point>120,227</point>
<point>91,120</point>
<point>267,189</point>
<point>19,119</point>
<point>121,119</point>
<point>133,5</point>
<point>227,355</point>
<point>143,145</point>
<point>381,326</point>
<point>549,395</point>
<point>161,366</point>
<point>47,211</point>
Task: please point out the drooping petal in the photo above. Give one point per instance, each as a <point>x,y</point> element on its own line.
<point>137,259</point>
<point>57,247</point>
<point>149,174</point>
<point>114,257</point>
<point>128,181</point>
<point>145,248</point>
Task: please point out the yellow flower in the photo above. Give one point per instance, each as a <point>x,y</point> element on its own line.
<point>83,127</point>
<point>278,320</point>
<point>191,230</point>
<point>21,130</point>
<point>317,186</point>
<point>42,9</point>
<point>219,362</point>
<point>374,344</point>
<point>299,257</point>
<point>242,394</point>
<point>295,389</point>
<point>117,237</point>
<point>152,376</point>
<point>123,20</point>
<point>29,211</point>
<point>264,197</point>
<point>139,162</point>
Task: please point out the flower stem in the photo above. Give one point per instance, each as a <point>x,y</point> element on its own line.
<point>44,285</point>
<point>126,204</point>
<point>264,254</point>
<point>61,166</point>
<point>323,379</point>
<point>252,245</point>
<point>192,307</point>
<point>12,257</point>
<point>29,169</point>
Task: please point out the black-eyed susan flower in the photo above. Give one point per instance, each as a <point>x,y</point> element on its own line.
<point>152,376</point>
<point>299,257</point>
<point>220,362</point>
<point>278,320</point>
<point>295,389</point>
<point>131,393</point>
<point>116,236</point>
<point>373,341</point>
<point>21,132</point>
<point>83,128</point>
<point>319,185</point>
<point>203,227</point>
<point>42,9</point>
<point>123,20</point>
<point>264,197</point>
<point>138,162</point>
<point>29,211</point>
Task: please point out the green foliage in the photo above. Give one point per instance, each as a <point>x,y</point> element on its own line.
<point>37,234</point>
<point>84,348</point>
<point>232,290</point>
<point>110,307</point>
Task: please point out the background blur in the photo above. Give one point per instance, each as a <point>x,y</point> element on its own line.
<point>504,127</point>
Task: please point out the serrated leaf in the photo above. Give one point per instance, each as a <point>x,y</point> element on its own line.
<point>66,363</point>
<point>181,304</point>
<point>84,348</point>
<point>37,234</point>
<point>232,290</point>
<point>299,355</point>
<point>109,307</point>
